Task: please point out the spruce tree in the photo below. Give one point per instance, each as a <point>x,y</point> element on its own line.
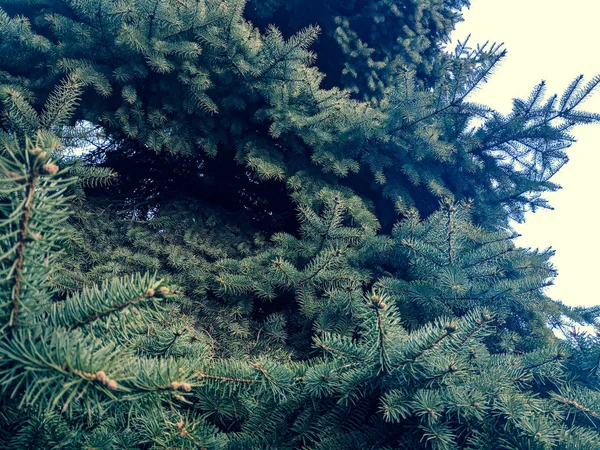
<point>283,232</point>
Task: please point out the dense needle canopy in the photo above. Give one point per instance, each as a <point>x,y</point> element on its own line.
<point>231,225</point>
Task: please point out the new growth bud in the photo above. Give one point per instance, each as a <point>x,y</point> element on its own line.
<point>162,291</point>
<point>451,327</point>
<point>50,168</point>
<point>101,377</point>
<point>186,387</point>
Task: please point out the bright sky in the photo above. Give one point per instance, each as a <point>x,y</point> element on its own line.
<point>555,41</point>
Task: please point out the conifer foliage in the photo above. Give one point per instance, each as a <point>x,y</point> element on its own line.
<point>232,226</point>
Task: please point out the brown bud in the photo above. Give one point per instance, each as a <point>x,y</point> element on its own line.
<point>14,175</point>
<point>49,168</point>
<point>187,387</point>
<point>175,385</point>
<point>101,376</point>
<point>35,235</point>
<point>112,385</point>
<point>382,305</point>
<point>451,327</point>
<point>476,404</point>
<point>163,290</point>
<point>149,293</point>
<point>35,150</point>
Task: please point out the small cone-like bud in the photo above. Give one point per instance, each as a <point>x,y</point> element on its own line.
<point>163,290</point>
<point>35,150</point>
<point>112,385</point>
<point>49,168</point>
<point>149,293</point>
<point>101,376</point>
<point>451,327</point>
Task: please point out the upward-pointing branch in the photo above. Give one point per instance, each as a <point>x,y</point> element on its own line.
<point>20,250</point>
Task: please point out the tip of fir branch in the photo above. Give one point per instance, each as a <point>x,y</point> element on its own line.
<point>16,176</point>
<point>186,387</point>
<point>162,291</point>
<point>50,168</point>
<point>451,327</point>
<point>101,377</point>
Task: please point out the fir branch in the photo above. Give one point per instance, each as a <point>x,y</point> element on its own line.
<point>576,405</point>
<point>335,351</point>
<point>114,308</point>
<point>426,348</point>
<point>62,102</point>
<point>450,228</point>
<point>384,360</point>
<point>204,376</point>
<point>20,249</point>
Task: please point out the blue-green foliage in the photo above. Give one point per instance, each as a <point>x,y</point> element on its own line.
<point>287,236</point>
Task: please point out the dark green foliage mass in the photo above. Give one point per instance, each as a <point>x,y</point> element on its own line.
<point>277,225</point>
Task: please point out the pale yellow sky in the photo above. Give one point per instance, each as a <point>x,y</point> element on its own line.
<point>555,41</point>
